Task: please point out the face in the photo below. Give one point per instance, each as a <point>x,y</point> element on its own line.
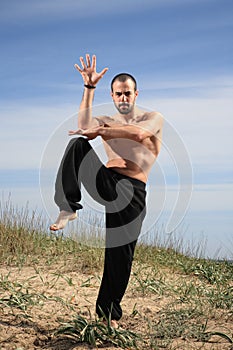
<point>124,96</point>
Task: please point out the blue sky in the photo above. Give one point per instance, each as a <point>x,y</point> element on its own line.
<point>181,53</point>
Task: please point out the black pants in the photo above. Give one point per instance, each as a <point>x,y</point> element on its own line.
<point>124,201</point>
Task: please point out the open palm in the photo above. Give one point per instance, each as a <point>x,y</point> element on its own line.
<point>88,70</point>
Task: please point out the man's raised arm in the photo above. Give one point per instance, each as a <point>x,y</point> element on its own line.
<point>90,79</point>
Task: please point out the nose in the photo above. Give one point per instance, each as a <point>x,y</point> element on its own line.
<point>123,98</point>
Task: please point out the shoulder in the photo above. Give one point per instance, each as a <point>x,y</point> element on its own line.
<point>104,119</point>
<point>154,119</point>
<point>151,121</point>
<point>149,116</point>
<point>152,115</point>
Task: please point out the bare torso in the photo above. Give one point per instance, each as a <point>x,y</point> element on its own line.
<point>130,157</point>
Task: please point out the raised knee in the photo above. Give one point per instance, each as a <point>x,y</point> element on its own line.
<point>82,140</point>
<point>80,145</point>
<point>78,141</point>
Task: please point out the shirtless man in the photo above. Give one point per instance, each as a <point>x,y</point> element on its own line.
<point>132,140</point>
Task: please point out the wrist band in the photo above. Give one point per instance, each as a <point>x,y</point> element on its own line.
<point>89,86</point>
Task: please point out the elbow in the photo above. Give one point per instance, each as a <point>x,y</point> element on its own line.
<point>142,135</point>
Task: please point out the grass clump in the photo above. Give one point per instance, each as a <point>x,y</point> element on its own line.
<point>97,333</point>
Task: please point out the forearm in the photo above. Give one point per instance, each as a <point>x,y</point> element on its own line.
<point>85,109</point>
<point>124,131</point>
<point>90,78</point>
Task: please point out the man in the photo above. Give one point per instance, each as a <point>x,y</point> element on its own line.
<point>132,140</point>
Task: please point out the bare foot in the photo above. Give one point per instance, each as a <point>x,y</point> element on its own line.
<point>113,323</point>
<point>62,220</point>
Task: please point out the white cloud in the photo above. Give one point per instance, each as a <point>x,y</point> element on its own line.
<point>25,131</point>
<point>220,85</point>
<point>208,214</point>
<point>204,124</point>
<point>205,197</point>
<point>25,9</point>
<point>64,8</point>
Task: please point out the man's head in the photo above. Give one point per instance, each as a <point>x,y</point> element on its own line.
<point>124,92</point>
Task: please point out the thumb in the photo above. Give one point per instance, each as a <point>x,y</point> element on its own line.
<point>103,72</point>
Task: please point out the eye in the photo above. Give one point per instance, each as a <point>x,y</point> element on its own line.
<point>128,93</point>
<point>118,94</point>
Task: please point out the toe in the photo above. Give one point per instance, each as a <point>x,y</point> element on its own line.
<point>54,227</point>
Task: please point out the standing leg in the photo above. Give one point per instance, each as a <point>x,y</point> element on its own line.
<point>117,268</point>
<point>122,231</point>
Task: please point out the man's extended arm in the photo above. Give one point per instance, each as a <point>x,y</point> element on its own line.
<point>137,132</point>
<point>90,79</point>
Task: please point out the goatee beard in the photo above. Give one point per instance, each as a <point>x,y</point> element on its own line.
<point>123,107</point>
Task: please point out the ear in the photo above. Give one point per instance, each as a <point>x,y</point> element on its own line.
<point>111,93</point>
<point>136,93</point>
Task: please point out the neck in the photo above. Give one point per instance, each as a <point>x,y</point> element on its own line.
<point>129,116</point>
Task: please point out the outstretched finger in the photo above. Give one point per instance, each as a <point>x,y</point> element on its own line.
<point>88,60</point>
<point>93,62</point>
<point>83,63</point>
<point>78,68</point>
<point>75,132</point>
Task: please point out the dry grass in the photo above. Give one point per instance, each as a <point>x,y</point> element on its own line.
<point>49,284</point>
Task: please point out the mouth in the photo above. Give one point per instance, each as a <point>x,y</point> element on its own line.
<point>124,105</point>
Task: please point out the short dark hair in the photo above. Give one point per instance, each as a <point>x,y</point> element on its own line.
<point>123,77</point>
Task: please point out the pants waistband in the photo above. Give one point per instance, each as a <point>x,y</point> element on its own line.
<point>134,181</point>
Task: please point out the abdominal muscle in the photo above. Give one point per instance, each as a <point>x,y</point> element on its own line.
<point>139,175</point>
<point>130,158</point>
